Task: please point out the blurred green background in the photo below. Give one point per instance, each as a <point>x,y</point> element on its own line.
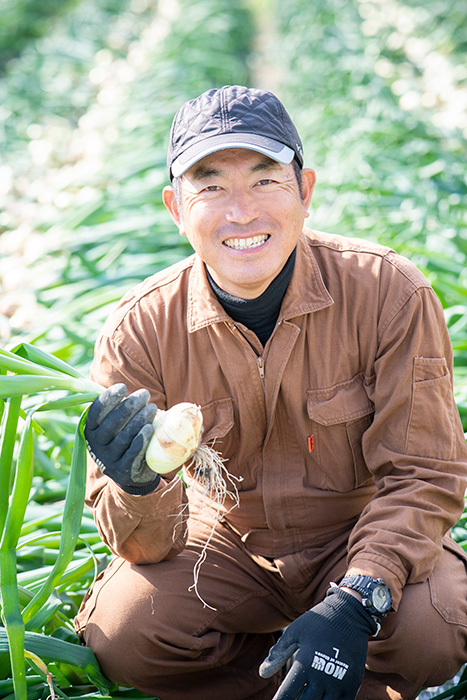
<point>88,90</point>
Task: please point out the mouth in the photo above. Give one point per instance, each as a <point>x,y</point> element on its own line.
<point>246,243</point>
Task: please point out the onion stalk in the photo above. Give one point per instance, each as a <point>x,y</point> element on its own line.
<point>28,371</point>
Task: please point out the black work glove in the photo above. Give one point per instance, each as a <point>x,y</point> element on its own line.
<point>117,432</point>
<point>331,644</point>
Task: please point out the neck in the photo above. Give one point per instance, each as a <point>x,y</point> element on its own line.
<point>259,314</point>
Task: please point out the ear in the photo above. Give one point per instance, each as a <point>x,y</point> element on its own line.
<point>308,185</point>
<point>170,201</point>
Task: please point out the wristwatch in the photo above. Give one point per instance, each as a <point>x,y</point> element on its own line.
<point>376,595</point>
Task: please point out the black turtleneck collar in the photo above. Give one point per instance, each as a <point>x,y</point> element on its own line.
<point>260,314</point>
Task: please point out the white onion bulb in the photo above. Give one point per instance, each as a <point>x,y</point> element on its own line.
<point>177,436</point>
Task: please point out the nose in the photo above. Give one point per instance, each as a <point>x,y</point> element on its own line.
<point>242,208</point>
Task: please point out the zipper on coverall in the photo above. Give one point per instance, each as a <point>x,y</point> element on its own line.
<point>259,360</point>
<point>260,363</point>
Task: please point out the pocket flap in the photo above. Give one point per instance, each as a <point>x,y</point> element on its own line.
<point>218,419</point>
<point>339,404</point>
<point>428,368</point>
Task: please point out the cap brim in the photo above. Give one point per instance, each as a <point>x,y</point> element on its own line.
<point>252,142</point>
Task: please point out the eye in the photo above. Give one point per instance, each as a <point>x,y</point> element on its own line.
<point>265,181</point>
<point>212,188</point>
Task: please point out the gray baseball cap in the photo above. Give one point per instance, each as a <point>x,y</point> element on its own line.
<point>232,116</point>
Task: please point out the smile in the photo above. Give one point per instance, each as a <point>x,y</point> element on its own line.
<point>245,243</point>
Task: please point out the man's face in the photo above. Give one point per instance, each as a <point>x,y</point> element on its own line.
<point>243,214</point>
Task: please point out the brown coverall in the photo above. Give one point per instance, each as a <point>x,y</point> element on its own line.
<point>347,438</point>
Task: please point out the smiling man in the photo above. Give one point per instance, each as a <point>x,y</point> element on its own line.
<point>243,213</point>
<point>323,369</point>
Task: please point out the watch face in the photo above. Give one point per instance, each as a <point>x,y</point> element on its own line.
<point>381,597</point>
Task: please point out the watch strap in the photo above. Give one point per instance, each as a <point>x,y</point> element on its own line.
<point>365,585</point>
<point>359,582</point>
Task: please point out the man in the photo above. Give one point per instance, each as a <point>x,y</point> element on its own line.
<point>323,369</point>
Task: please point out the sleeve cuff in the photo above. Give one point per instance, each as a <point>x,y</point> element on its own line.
<point>143,489</point>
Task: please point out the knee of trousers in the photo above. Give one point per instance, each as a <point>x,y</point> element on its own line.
<point>141,632</point>
<point>425,641</point>
<point>132,626</point>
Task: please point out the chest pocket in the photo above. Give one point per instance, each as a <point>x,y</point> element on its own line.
<point>338,418</point>
<point>219,430</point>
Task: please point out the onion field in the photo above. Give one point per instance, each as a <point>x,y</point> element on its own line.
<point>87,95</point>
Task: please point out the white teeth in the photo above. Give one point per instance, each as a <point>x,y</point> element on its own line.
<point>243,243</point>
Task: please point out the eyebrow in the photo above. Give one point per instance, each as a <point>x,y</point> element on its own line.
<point>203,172</point>
<point>266,164</point>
